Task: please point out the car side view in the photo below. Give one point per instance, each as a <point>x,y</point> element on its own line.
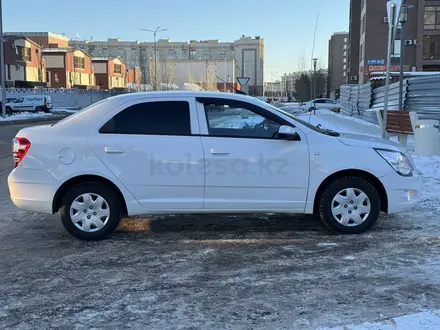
<point>204,152</point>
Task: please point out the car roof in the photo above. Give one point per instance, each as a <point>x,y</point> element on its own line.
<point>128,96</point>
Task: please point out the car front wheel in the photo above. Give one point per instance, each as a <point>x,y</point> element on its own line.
<point>349,205</point>
<point>90,211</point>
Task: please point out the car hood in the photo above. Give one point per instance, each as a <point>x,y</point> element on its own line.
<point>358,140</point>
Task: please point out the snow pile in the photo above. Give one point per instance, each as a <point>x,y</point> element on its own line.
<point>26,115</point>
<point>292,107</point>
<point>429,320</point>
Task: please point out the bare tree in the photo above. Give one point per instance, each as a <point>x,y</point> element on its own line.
<point>302,66</point>
<point>167,73</point>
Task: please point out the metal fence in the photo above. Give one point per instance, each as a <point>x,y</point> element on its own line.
<point>421,95</point>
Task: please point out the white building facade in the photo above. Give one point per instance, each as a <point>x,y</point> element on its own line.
<point>245,54</point>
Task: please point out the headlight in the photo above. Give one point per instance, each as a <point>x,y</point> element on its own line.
<point>398,161</point>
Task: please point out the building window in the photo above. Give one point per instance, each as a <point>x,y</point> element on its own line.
<point>396,49</point>
<point>345,53</point>
<point>345,40</point>
<point>118,68</point>
<point>24,53</point>
<point>431,47</point>
<point>57,77</point>
<point>345,60</point>
<point>432,18</point>
<point>345,66</point>
<point>78,62</point>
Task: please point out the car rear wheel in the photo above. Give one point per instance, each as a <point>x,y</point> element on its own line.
<point>90,211</point>
<point>312,109</point>
<point>349,205</point>
<point>38,109</point>
<point>8,111</point>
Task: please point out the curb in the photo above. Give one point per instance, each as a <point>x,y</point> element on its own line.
<point>33,120</point>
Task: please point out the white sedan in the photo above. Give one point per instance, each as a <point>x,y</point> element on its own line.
<point>320,104</point>
<point>165,153</point>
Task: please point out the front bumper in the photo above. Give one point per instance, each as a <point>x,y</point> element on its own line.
<point>403,192</point>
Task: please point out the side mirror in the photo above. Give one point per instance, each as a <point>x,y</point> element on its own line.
<point>287,132</point>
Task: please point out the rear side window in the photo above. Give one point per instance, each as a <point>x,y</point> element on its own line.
<point>151,118</point>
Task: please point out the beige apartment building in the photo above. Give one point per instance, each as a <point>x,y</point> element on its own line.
<point>247,54</point>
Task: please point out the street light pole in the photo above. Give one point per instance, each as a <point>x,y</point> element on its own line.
<point>315,61</point>
<point>155,31</point>
<point>2,63</point>
<point>403,19</point>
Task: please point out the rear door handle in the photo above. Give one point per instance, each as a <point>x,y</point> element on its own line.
<point>219,152</point>
<point>113,150</point>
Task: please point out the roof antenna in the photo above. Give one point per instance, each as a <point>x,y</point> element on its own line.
<point>313,54</point>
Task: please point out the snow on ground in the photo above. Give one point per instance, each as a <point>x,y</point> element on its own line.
<point>26,115</point>
<point>291,107</point>
<point>30,115</point>
<point>429,320</point>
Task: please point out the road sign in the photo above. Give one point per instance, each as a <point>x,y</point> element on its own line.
<point>376,62</point>
<point>393,18</point>
<point>243,81</point>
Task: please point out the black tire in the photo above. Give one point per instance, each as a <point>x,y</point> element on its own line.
<point>8,111</point>
<point>110,197</point>
<point>332,190</point>
<point>38,109</point>
<point>312,109</point>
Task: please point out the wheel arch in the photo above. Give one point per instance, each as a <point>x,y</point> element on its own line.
<point>72,182</point>
<point>377,184</point>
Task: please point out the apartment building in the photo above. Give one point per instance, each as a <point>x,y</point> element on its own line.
<point>421,43</point>
<point>44,39</point>
<point>247,53</point>
<point>110,73</point>
<point>68,68</point>
<point>337,62</point>
<point>354,42</point>
<point>24,63</point>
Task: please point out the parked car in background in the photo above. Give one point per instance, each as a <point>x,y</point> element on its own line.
<point>165,153</point>
<point>30,103</point>
<point>320,104</point>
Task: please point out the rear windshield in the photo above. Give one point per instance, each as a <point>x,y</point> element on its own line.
<point>80,111</point>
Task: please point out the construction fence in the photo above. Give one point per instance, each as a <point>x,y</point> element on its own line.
<point>420,94</point>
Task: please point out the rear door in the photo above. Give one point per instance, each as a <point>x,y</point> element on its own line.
<point>153,147</point>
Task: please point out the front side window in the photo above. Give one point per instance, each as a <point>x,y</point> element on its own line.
<point>238,119</point>
<point>151,118</point>
<point>20,100</point>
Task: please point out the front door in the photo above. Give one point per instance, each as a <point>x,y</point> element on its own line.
<point>153,147</point>
<point>247,166</point>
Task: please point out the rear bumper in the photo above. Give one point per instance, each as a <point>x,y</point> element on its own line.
<point>403,192</point>
<point>32,190</point>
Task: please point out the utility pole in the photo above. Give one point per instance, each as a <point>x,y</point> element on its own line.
<point>402,19</point>
<point>2,62</point>
<point>387,76</point>
<point>155,31</point>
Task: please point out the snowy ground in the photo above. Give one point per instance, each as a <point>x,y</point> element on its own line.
<point>36,115</point>
<point>226,271</point>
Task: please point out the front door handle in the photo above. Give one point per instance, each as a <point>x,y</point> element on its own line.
<point>113,150</point>
<point>219,152</point>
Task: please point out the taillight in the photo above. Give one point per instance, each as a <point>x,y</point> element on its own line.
<point>20,147</point>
